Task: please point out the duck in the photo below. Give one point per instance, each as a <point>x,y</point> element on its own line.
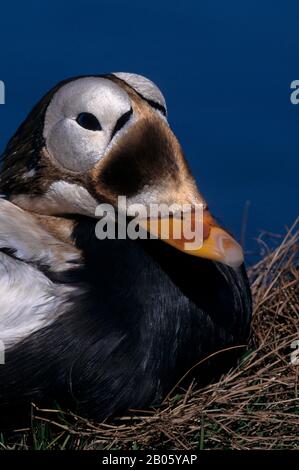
<point>103,326</point>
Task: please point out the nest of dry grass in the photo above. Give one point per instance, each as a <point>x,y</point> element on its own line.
<point>255,406</point>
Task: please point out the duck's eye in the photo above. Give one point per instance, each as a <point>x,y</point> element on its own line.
<point>88,121</point>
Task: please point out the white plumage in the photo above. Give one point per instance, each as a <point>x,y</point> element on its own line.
<point>29,300</point>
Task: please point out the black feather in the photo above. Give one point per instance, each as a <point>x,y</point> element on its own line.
<point>149,313</point>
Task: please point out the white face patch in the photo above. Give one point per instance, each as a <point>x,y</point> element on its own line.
<point>80,121</point>
<point>145,87</point>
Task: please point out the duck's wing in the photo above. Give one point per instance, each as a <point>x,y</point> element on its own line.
<point>30,257</point>
<point>23,237</point>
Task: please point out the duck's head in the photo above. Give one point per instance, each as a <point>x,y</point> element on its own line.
<point>94,138</point>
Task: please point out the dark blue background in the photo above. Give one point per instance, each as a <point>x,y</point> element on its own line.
<point>225,68</point>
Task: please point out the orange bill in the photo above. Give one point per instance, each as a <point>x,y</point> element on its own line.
<point>205,238</point>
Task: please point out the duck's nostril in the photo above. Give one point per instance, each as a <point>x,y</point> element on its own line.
<point>121,122</point>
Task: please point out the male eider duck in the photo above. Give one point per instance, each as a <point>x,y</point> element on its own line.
<point>104,326</point>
